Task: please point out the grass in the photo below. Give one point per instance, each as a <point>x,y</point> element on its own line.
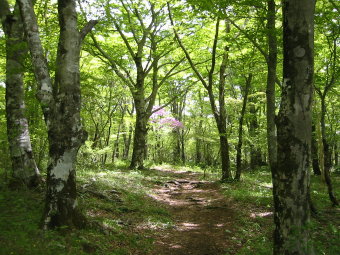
<point>122,215</point>
<point>118,217</point>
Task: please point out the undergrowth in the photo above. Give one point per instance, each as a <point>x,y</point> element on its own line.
<point>121,214</point>
<point>117,207</point>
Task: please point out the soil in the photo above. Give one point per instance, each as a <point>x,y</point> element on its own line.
<point>203,218</point>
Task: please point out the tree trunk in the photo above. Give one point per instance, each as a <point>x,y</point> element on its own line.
<point>255,152</point>
<point>326,154</point>
<point>182,141</point>
<point>115,152</point>
<point>127,142</point>
<point>291,178</point>
<point>198,150</point>
<point>221,118</point>
<point>336,155</point>
<point>139,140</point>
<point>61,104</point>
<point>224,147</point>
<point>314,150</point>
<point>25,171</point>
<point>271,77</point>
<point>240,129</point>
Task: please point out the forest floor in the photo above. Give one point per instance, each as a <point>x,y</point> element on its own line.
<point>165,210</point>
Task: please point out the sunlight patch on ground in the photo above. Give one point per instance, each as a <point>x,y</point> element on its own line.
<point>186,226</point>
<point>260,214</point>
<point>171,245</point>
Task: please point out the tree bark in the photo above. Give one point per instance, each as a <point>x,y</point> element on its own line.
<point>142,118</point>
<point>139,139</point>
<point>314,150</point>
<point>240,129</point>
<point>291,177</point>
<point>271,78</point>
<point>61,104</point>
<point>25,170</point>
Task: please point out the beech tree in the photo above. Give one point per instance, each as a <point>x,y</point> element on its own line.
<point>60,101</point>
<point>291,176</point>
<point>25,170</point>
<point>147,45</point>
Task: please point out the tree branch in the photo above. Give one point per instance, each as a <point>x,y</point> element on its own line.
<point>213,55</point>
<point>38,59</point>
<point>187,55</point>
<point>87,28</point>
<point>124,38</point>
<point>112,62</point>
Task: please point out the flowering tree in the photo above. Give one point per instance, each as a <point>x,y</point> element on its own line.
<point>163,119</point>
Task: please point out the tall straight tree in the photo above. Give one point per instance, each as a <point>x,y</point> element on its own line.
<point>271,78</point>
<point>25,170</point>
<point>291,177</point>
<point>60,102</point>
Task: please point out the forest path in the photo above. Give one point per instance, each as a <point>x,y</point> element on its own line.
<point>203,218</point>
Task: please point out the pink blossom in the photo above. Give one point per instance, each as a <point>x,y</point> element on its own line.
<point>163,118</point>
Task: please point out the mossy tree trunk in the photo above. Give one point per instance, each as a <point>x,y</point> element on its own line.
<point>61,104</point>
<point>291,177</point>
<point>25,171</point>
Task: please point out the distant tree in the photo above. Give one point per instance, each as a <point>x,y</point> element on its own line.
<point>217,102</point>
<point>326,78</point>
<point>291,177</point>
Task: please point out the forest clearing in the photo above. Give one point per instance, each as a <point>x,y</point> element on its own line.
<point>157,127</point>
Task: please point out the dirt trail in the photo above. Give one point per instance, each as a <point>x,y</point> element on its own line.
<point>203,217</point>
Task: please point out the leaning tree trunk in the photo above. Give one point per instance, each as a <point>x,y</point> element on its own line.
<point>61,107</point>
<point>291,177</point>
<point>25,170</point>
